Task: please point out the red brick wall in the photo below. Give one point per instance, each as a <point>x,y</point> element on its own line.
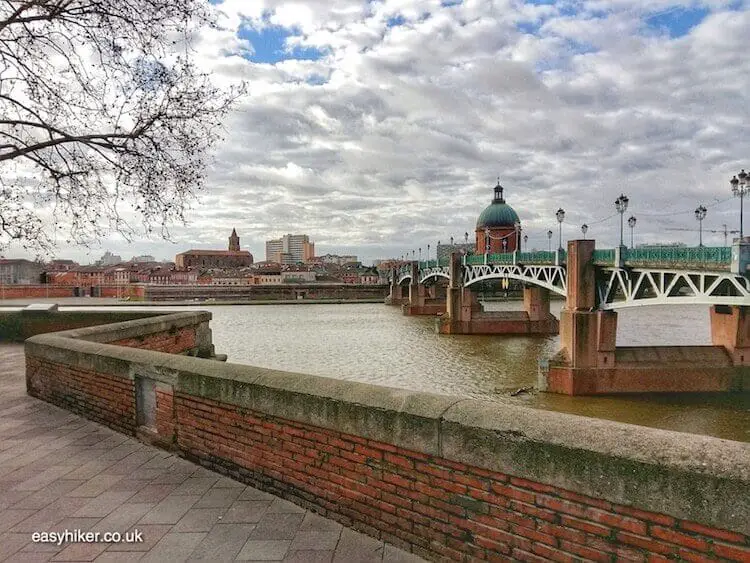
<point>23,291</point>
<point>165,415</point>
<point>172,342</point>
<point>441,508</point>
<point>102,398</point>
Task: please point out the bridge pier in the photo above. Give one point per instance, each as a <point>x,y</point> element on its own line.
<point>422,299</point>
<point>396,295</point>
<point>730,328</point>
<point>589,361</point>
<point>465,315</point>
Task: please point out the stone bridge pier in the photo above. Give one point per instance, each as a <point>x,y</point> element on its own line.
<point>396,294</point>
<point>423,299</point>
<point>465,315</point>
<point>590,362</point>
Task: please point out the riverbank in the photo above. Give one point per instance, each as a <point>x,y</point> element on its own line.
<point>111,302</point>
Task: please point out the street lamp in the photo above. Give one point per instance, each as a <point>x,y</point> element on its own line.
<point>420,253</point>
<point>631,224</point>
<point>526,242</point>
<point>740,186</point>
<point>549,240</point>
<point>518,235</point>
<point>584,228</point>
<point>621,204</point>
<point>466,238</point>
<point>451,241</point>
<point>560,218</point>
<point>428,254</point>
<point>486,241</point>
<point>700,214</point>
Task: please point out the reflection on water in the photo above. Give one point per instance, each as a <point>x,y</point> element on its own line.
<point>377,344</point>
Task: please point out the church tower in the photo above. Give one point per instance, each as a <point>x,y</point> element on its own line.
<point>234,241</point>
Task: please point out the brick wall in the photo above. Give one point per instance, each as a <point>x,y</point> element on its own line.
<point>99,397</point>
<point>445,477</point>
<point>24,291</point>
<point>166,424</point>
<point>440,508</point>
<point>174,341</point>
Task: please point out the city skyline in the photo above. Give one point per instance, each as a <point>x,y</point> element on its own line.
<point>378,129</point>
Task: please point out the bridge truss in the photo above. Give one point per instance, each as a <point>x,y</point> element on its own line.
<point>617,288</point>
<point>553,278</point>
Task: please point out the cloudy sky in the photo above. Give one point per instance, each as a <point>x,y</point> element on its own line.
<point>377,127</point>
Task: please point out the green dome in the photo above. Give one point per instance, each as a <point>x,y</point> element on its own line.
<point>498,213</point>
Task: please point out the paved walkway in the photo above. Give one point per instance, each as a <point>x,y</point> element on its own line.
<point>59,471</point>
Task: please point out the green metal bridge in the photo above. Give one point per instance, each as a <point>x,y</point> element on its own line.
<point>625,277</point>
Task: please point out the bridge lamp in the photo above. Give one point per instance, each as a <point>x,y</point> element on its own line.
<point>420,253</point>
<point>518,235</point>
<point>584,229</point>
<point>631,224</point>
<point>466,238</point>
<point>451,241</point>
<point>526,242</point>
<point>700,214</point>
<point>428,254</point>
<point>505,244</point>
<point>549,240</point>
<point>560,218</point>
<point>621,204</point>
<point>740,186</point>
<point>486,241</point>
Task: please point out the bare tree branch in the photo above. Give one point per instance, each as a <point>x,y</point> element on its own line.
<point>99,110</point>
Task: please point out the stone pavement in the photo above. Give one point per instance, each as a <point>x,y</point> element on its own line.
<point>61,472</point>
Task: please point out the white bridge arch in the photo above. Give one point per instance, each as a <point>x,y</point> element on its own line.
<point>553,278</point>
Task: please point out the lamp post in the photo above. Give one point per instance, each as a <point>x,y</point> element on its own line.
<point>621,204</point>
<point>631,224</point>
<point>437,254</point>
<point>505,244</point>
<point>451,241</point>
<point>700,214</point>
<point>428,254</point>
<point>518,236</point>
<point>584,228</point>
<point>549,240</point>
<point>740,186</point>
<point>466,238</point>
<point>526,242</point>
<point>560,218</point>
<point>487,247</point>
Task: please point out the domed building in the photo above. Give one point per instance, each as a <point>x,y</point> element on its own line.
<point>500,224</point>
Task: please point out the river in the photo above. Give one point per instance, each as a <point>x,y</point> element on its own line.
<point>376,344</point>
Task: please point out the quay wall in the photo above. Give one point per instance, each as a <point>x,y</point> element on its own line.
<point>264,292</point>
<point>18,325</point>
<point>24,291</point>
<point>149,292</point>
<point>445,477</point>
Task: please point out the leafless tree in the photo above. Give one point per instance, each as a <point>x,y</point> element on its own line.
<point>102,109</point>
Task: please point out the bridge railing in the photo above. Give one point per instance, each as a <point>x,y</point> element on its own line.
<point>604,256</point>
<point>670,254</point>
<point>539,257</point>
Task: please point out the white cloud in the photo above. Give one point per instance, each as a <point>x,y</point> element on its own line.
<point>401,145</point>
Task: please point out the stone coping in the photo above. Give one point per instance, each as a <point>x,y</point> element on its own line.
<point>698,478</point>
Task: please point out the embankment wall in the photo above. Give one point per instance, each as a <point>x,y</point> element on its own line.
<point>445,477</point>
